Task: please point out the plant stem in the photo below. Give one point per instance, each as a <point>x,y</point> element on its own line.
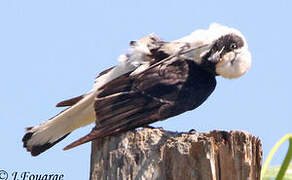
<point>287,159</point>
<point>286,162</point>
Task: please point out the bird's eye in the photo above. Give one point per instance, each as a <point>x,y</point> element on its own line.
<point>233,46</point>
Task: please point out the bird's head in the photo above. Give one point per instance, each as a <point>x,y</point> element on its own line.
<point>230,55</point>
<point>224,49</point>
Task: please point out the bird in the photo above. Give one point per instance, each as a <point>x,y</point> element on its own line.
<point>153,81</point>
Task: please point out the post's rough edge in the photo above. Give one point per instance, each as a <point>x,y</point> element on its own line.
<point>150,153</point>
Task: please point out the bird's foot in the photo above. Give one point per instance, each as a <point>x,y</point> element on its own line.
<point>192,131</point>
<point>152,127</point>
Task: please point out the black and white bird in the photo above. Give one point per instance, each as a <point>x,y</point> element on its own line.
<point>156,80</point>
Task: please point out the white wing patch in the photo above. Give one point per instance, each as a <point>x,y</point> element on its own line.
<point>137,61</point>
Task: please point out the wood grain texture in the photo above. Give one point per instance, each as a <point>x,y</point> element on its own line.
<point>158,154</point>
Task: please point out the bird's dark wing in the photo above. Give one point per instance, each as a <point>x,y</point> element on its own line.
<point>163,91</point>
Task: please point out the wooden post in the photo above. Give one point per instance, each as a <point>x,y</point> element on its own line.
<point>158,154</point>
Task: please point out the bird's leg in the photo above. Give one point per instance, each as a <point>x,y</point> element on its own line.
<point>148,126</point>
<point>192,131</point>
<point>152,127</point>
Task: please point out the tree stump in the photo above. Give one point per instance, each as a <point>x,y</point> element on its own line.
<point>157,154</point>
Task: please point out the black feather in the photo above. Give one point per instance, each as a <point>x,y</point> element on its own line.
<point>38,149</point>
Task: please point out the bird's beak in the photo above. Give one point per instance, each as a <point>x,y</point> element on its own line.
<point>234,64</point>
<point>215,58</point>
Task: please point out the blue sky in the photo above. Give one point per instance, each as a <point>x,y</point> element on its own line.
<point>52,50</point>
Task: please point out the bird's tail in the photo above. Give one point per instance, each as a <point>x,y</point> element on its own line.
<point>42,137</point>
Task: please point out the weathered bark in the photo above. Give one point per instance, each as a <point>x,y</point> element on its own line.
<point>158,154</point>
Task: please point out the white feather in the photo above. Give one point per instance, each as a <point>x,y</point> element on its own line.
<point>233,64</point>
<point>207,36</point>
